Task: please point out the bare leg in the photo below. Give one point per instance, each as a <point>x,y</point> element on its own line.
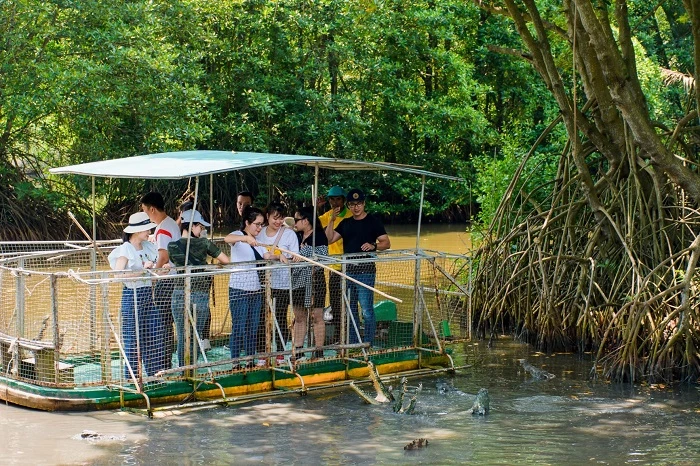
<point>319,329</point>
<point>300,325</point>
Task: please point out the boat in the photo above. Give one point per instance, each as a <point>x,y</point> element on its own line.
<point>61,348</point>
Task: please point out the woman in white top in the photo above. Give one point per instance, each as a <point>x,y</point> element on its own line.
<point>275,233</point>
<point>135,255</point>
<point>245,293</point>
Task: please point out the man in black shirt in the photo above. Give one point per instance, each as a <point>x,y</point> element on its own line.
<point>361,233</point>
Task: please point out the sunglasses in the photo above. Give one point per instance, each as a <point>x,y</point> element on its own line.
<point>298,219</point>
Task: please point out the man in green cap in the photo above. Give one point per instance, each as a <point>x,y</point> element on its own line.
<point>336,198</point>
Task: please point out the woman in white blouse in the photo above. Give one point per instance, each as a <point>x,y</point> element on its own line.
<point>245,294</point>
<point>274,233</point>
<point>134,256</point>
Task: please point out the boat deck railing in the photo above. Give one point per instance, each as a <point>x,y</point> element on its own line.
<point>65,315</point>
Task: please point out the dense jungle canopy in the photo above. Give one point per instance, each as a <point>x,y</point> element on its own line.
<point>574,123</point>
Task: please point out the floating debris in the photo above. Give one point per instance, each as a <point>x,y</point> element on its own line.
<point>445,387</point>
<point>93,436</point>
<point>540,374</point>
<point>416,444</point>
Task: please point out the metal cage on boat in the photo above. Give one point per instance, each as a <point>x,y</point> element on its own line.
<point>61,340</point>
<point>61,346</point>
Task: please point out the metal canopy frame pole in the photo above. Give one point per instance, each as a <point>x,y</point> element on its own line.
<point>188,289</point>
<point>417,291</point>
<point>93,267</point>
<point>314,202</point>
<point>211,202</point>
<point>420,210</point>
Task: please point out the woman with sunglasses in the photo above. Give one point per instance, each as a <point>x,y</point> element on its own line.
<point>309,283</point>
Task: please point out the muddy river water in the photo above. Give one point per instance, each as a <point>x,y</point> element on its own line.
<point>569,419</point>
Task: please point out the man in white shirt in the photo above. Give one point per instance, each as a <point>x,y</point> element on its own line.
<point>166,231</point>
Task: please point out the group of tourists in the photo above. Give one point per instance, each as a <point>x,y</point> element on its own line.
<point>150,308</point>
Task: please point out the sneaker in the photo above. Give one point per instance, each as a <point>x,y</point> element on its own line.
<point>327,314</point>
<point>279,361</point>
<point>206,344</point>
<point>261,362</point>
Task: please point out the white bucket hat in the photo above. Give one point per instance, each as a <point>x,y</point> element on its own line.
<point>139,222</point>
<point>193,216</point>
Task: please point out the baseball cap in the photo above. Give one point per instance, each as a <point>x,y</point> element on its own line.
<point>193,216</point>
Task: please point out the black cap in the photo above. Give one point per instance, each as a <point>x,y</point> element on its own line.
<point>355,195</point>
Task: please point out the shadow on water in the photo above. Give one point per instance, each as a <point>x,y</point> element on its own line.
<point>564,420</point>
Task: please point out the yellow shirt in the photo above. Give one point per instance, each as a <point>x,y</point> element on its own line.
<point>337,247</point>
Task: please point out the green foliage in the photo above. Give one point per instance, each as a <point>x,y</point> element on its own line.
<point>415,82</point>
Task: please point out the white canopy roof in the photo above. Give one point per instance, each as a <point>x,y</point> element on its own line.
<point>186,164</point>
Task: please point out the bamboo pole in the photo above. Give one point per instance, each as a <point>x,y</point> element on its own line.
<point>87,235</point>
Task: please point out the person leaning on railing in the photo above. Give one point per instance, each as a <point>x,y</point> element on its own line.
<point>309,283</point>
<point>136,254</point>
<point>166,231</point>
<point>361,233</point>
<point>200,249</point>
<point>245,291</point>
<point>276,234</point>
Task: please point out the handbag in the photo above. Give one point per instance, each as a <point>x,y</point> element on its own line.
<point>261,273</point>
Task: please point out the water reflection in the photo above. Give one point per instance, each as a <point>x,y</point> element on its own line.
<point>567,419</point>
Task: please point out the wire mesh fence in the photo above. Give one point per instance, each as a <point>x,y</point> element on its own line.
<point>68,320</point>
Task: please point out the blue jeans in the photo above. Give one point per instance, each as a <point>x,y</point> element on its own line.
<point>162,298</point>
<point>150,331</point>
<point>199,299</point>
<point>245,319</point>
<point>366,300</point>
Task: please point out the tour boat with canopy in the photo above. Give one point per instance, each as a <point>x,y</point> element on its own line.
<point>61,347</point>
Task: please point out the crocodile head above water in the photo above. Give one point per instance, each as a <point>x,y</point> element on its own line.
<point>481,403</point>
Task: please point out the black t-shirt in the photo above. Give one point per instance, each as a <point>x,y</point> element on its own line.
<point>200,248</point>
<point>355,233</point>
